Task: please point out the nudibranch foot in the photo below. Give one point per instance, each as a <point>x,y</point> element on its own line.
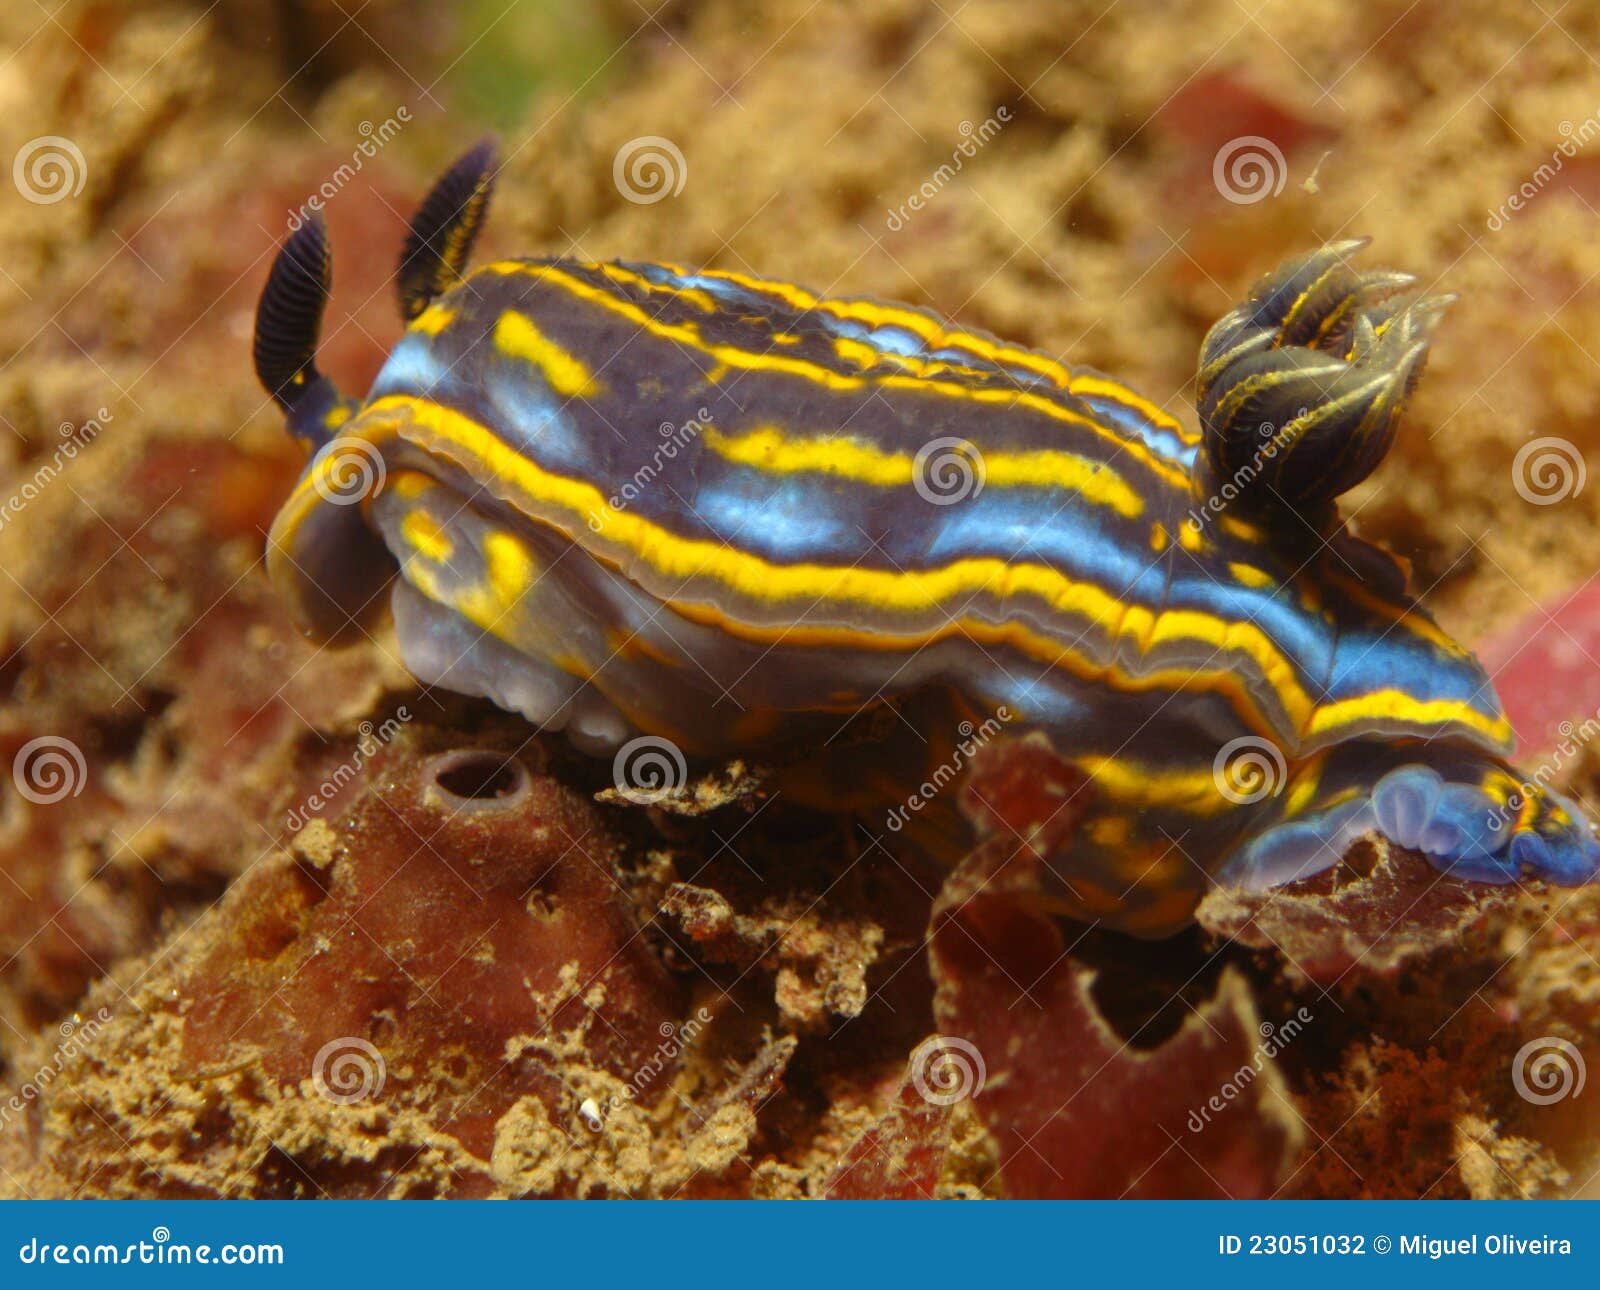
<point>1470,815</point>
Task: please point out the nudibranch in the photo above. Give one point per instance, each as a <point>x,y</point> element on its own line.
<point>630,499</point>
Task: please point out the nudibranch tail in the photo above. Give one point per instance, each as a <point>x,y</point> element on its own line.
<point>1470,815</point>
<point>1300,388</point>
<point>439,241</point>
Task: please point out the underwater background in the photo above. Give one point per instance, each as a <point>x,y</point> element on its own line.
<point>262,934</point>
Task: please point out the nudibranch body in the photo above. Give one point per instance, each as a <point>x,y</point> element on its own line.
<point>630,499</point>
